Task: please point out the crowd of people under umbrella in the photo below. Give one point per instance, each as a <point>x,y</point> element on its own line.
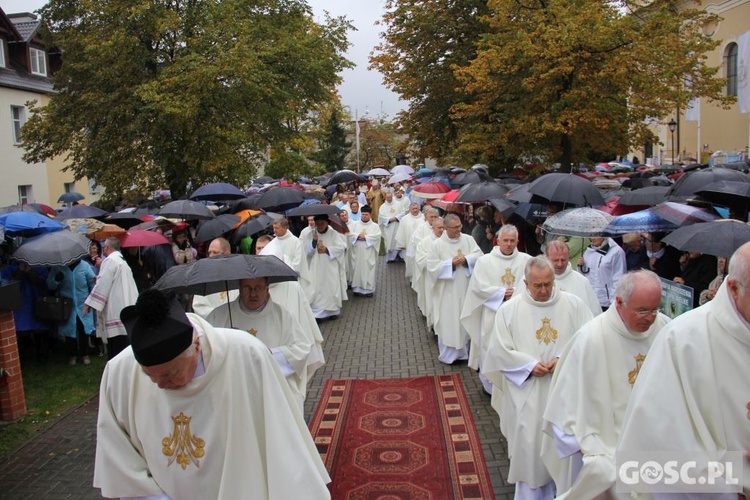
<point>276,261</point>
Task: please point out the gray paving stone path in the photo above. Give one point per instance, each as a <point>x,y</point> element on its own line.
<point>380,337</point>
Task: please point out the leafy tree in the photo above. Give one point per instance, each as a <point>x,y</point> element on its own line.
<point>424,42</point>
<point>379,143</point>
<point>334,145</point>
<point>561,78</point>
<point>160,92</point>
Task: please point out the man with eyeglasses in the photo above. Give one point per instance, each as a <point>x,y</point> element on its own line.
<point>450,262</point>
<point>275,326</point>
<point>592,384</point>
<point>531,330</point>
<point>692,393</point>
<point>193,411</point>
<point>496,277</point>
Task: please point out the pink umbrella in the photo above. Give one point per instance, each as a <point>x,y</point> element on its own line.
<point>450,196</point>
<point>141,238</point>
<point>430,190</point>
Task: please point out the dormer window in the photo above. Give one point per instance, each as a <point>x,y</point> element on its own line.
<point>38,62</point>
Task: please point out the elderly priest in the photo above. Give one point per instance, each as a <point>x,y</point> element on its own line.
<point>195,412</point>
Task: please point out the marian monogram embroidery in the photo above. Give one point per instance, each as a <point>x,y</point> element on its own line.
<point>182,445</point>
<point>633,374</point>
<point>508,279</point>
<point>223,296</point>
<point>546,333</point>
<point>253,332</point>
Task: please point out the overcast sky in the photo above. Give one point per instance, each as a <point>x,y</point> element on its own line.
<point>362,89</point>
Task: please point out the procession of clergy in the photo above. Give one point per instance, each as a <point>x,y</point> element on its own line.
<point>572,380</point>
<point>568,380</point>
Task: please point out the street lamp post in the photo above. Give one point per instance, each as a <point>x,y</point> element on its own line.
<point>672,127</point>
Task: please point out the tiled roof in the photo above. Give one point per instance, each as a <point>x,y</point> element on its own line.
<point>11,78</point>
<point>26,28</point>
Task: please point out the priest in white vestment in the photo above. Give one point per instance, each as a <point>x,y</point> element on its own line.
<point>289,295</point>
<point>293,254</point>
<point>569,280</point>
<point>114,290</point>
<point>451,261</point>
<point>692,396</point>
<point>592,384</point>
<point>422,230</point>
<point>389,215</point>
<point>496,276</point>
<point>424,282</point>
<point>364,241</point>
<point>531,331</point>
<point>406,228</point>
<point>196,412</point>
<point>275,326</point>
<point>326,249</point>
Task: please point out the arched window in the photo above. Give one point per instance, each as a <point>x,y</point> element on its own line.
<point>730,68</point>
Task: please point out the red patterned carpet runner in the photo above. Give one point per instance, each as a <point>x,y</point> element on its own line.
<point>400,439</point>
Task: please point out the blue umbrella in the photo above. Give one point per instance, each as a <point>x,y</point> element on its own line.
<point>70,197</point>
<point>643,221</point>
<point>28,224</point>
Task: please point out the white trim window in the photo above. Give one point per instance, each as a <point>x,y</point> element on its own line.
<point>18,118</point>
<point>2,53</point>
<point>25,194</point>
<point>38,61</point>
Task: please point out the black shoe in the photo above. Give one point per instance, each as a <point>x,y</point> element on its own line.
<point>368,295</point>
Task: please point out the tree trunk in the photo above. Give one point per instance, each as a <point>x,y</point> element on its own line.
<point>567,154</point>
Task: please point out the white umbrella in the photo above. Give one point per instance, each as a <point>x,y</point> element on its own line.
<point>378,172</point>
<point>396,178</point>
<point>585,222</point>
<point>398,169</point>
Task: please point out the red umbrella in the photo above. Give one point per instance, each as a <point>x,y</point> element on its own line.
<point>43,209</point>
<point>430,190</point>
<point>141,238</point>
<point>450,196</point>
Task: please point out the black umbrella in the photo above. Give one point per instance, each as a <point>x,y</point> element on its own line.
<point>566,189</point>
<point>314,209</point>
<point>218,191</point>
<point>18,208</point>
<point>253,225</point>
<point>503,206</point>
<point>264,180</point>
<point>471,177</point>
<point>732,194</point>
<point>81,212</point>
<point>186,210</point>
<point>125,220</point>
<point>223,273</point>
<point>343,177</point>
<point>210,229</point>
<point>482,191</point>
<point>70,197</point>
<point>248,203</point>
<point>280,197</point>
<point>720,238</point>
<point>519,193</point>
<point>647,196</point>
<point>692,182</point>
<point>60,248</point>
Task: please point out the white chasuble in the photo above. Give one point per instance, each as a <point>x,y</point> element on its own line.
<point>692,395</point>
<point>424,282</point>
<point>588,397</point>
<point>364,255</point>
<point>574,282</point>
<point>406,228</point>
<point>493,274</point>
<point>450,287</point>
<point>328,272</point>
<point>387,227</point>
<point>227,434</point>
<point>280,331</point>
<point>525,333</point>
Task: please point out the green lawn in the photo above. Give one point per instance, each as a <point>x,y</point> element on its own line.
<point>52,389</point>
